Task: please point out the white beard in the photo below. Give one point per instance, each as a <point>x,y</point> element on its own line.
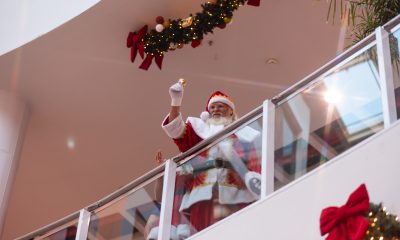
<point>219,121</point>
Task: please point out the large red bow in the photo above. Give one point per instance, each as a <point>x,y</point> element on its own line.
<point>347,222</point>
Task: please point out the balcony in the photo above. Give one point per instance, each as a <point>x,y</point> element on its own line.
<point>307,138</point>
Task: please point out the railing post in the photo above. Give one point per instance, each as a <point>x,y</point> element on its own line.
<point>83,225</point>
<point>268,149</point>
<point>167,200</point>
<point>386,77</point>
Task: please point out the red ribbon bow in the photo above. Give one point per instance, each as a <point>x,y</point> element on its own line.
<point>347,222</point>
<point>134,41</point>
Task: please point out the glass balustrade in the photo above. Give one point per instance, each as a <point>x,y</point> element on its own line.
<point>135,216</point>
<point>395,53</point>
<point>336,111</point>
<point>66,233</point>
<point>218,181</point>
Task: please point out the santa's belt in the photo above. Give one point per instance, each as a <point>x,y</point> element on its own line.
<point>210,164</point>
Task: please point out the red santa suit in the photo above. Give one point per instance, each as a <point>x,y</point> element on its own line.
<point>199,185</point>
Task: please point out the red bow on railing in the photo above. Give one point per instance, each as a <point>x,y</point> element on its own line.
<point>347,222</point>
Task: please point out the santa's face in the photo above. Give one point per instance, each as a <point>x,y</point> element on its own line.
<point>220,110</point>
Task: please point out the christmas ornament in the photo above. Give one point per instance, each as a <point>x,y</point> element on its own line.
<point>195,43</point>
<point>222,26</point>
<point>172,46</point>
<point>151,45</point>
<point>159,27</point>
<point>227,20</point>
<point>187,22</point>
<point>159,20</point>
<point>166,24</point>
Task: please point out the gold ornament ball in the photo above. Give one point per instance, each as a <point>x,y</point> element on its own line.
<point>180,45</point>
<point>167,24</point>
<point>212,1</point>
<point>227,20</point>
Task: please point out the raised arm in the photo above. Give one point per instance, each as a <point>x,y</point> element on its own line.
<point>176,93</point>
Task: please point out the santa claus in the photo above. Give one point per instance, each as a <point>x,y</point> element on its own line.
<point>223,178</point>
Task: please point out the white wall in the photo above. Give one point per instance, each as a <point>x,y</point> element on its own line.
<point>22,21</point>
<point>293,212</point>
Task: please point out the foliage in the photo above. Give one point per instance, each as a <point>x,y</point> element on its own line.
<point>382,225</point>
<point>211,16</point>
<point>364,15</point>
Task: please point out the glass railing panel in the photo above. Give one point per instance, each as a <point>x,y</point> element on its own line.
<point>67,233</point>
<point>395,53</point>
<point>212,185</point>
<point>338,110</point>
<point>135,216</point>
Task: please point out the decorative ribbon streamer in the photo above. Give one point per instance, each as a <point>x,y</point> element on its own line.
<point>159,60</point>
<point>146,62</point>
<point>347,222</point>
<point>129,39</point>
<point>255,3</point>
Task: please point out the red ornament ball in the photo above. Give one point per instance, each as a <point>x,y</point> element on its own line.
<point>159,20</point>
<point>222,26</point>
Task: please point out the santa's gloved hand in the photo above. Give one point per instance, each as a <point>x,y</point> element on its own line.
<point>176,93</point>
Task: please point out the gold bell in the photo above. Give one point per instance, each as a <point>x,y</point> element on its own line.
<point>182,82</point>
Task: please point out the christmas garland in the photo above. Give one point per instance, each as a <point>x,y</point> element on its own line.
<point>171,34</point>
<point>382,224</point>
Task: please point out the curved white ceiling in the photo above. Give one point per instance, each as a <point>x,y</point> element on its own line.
<point>22,21</point>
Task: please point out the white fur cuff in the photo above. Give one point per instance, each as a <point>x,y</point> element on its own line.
<point>153,234</point>
<point>175,128</point>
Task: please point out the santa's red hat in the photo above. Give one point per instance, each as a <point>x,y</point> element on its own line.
<point>218,97</point>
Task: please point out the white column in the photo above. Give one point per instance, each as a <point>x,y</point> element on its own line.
<point>13,118</point>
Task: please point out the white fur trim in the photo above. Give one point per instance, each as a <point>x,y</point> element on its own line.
<point>173,234</point>
<point>202,129</point>
<point>232,195</point>
<point>175,128</point>
<point>183,231</point>
<point>196,195</point>
<point>223,100</point>
<point>248,134</point>
<point>228,194</point>
<point>204,116</point>
<point>153,234</point>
